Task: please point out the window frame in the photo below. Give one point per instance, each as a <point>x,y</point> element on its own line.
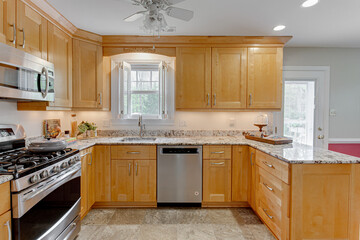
<point>167,106</point>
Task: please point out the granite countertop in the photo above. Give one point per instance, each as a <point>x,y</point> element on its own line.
<point>5,178</point>
<point>290,153</point>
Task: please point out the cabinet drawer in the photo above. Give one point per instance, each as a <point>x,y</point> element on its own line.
<point>272,165</point>
<point>4,197</point>
<point>270,187</point>
<point>133,152</point>
<point>217,152</point>
<point>271,216</point>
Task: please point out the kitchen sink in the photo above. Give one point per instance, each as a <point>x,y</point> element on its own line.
<point>137,139</point>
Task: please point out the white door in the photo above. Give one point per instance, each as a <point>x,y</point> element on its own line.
<point>305,109</point>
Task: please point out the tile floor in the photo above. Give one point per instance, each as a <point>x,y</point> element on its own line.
<point>173,223</point>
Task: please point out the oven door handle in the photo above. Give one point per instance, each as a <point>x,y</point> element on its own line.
<point>66,176</point>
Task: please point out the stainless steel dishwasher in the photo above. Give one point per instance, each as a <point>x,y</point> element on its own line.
<point>179,171</point>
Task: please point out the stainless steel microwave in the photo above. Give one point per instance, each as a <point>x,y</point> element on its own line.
<point>24,76</point>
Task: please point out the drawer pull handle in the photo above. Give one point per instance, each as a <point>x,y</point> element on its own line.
<point>7,224</point>
<point>133,152</point>
<point>267,186</point>
<point>220,163</point>
<point>129,169</point>
<point>221,152</point>
<point>269,165</point>
<point>136,167</point>
<point>269,216</point>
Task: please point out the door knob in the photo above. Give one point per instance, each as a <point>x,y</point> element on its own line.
<point>321,137</point>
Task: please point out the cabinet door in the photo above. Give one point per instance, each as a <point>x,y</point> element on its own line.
<point>240,168</point>
<point>252,178</point>
<point>145,181</point>
<point>217,181</point>
<point>5,226</point>
<point>229,70</point>
<point>193,78</point>
<point>122,181</point>
<point>84,186</point>
<point>7,22</point>
<point>87,75</point>
<point>31,31</point>
<point>265,78</point>
<point>102,165</point>
<point>91,179</point>
<point>60,54</point>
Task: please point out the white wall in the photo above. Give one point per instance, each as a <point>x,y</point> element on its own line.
<point>344,84</point>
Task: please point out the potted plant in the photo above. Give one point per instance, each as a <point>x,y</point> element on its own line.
<point>87,129</point>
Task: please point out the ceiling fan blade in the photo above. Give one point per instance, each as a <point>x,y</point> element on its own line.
<point>180,13</point>
<point>173,2</point>
<point>135,16</point>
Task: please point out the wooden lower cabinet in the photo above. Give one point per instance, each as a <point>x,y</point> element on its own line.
<point>87,181</point>
<point>122,181</point>
<point>252,178</point>
<point>102,165</point>
<point>240,174</point>
<point>145,181</point>
<point>217,181</point>
<point>5,226</point>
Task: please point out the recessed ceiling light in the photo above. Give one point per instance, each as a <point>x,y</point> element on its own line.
<point>309,3</point>
<point>279,28</point>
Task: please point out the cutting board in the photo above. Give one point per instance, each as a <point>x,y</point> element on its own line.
<point>274,141</point>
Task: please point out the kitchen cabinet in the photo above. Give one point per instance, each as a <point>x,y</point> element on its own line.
<point>87,181</point>
<point>31,31</point>
<point>133,174</point>
<point>102,165</point>
<point>60,54</point>
<point>5,213</point>
<point>7,22</point>
<point>229,71</point>
<point>252,178</point>
<point>193,78</point>
<point>87,75</point>
<point>264,83</point>
<point>240,174</point>
<point>217,181</point>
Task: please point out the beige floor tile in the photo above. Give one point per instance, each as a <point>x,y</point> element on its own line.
<point>191,216</point>
<point>195,232</point>
<point>157,232</point>
<point>228,232</point>
<point>260,231</point>
<point>98,216</point>
<point>161,216</point>
<point>128,216</point>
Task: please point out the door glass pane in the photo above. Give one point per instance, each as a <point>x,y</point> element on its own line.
<point>299,98</point>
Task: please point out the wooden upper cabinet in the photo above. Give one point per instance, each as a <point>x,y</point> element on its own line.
<point>87,75</point>
<point>31,31</point>
<point>7,22</point>
<point>229,66</point>
<point>265,78</point>
<point>193,78</point>
<point>60,54</point>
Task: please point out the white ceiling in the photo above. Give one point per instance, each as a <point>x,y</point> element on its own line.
<point>331,23</point>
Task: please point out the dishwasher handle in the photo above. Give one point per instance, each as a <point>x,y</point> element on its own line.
<point>181,151</point>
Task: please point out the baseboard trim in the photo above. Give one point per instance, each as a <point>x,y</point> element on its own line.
<point>124,205</point>
<point>224,204</point>
<point>343,140</point>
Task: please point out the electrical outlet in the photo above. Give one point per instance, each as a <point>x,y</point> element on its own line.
<point>333,112</point>
<point>182,123</point>
<point>106,123</point>
<point>232,122</point>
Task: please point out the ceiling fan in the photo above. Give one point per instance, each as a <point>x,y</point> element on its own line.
<point>154,19</point>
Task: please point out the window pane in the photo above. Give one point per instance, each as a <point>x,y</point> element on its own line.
<point>299,111</point>
<point>145,104</point>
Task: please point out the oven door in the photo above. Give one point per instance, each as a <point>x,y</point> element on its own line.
<point>45,210</point>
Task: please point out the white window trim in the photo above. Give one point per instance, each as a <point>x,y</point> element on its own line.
<point>115,89</point>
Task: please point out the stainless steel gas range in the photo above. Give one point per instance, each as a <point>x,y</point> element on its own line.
<point>45,190</point>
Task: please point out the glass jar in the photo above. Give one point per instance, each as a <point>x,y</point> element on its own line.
<point>73,123</point>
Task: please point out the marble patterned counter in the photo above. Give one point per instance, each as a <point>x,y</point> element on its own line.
<point>5,178</point>
<point>290,153</point>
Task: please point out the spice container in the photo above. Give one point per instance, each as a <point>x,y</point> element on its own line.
<point>73,123</point>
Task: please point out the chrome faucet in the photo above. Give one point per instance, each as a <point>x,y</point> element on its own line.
<point>142,126</point>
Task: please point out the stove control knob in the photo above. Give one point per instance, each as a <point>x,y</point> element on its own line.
<point>72,161</point>
<point>64,165</point>
<point>55,169</point>
<point>44,174</point>
<point>34,179</point>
